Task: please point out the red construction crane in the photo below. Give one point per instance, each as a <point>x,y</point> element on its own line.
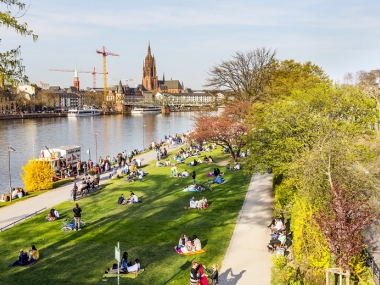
<point>94,72</point>
<point>105,54</point>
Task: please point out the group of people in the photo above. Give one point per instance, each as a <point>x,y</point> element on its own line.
<point>131,199</point>
<point>25,258</point>
<point>198,204</point>
<point>52,215</point>
<point>15,193</point>
<point>278,232</point>
<point>188,244</point>
<point>125,266</point>
<point>198,274</point>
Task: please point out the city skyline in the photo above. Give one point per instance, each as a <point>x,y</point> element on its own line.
<point>187,39</point>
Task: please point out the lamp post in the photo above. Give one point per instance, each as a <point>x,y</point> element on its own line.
<point>96,146</point>
<point>9,172</point>
<point>144,137</point>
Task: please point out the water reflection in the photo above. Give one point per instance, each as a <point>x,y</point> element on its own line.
<point>116,133</point>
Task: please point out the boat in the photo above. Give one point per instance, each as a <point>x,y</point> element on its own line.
<point>146,109</point>
<point>83,112</point>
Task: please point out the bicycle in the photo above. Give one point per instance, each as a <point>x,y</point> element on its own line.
<point>68,226</point>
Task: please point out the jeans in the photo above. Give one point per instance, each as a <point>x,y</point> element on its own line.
<point>77,222</point>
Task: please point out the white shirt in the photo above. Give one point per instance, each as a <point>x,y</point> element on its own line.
<point>134,267</point>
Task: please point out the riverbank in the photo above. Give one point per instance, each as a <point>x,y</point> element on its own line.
<point>44,115</point>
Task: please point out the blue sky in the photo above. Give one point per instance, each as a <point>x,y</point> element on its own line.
<point>188,37</point>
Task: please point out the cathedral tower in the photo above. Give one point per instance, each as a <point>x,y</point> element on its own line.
<point>150,79</point>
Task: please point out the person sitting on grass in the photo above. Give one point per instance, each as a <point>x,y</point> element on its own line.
<point>33,253</point>
<point>187,248</point>
<point>196,243</point>
<point>218,180</point>
<point>159,163</point>
<point>133,198</point>
<point>121,200</point>
<point>52,215</point>
<point>236,167</point>
<point>191,188</point>
<point>184,174</point>
<point>22,259</point>
<point>202,204</point>
<point>135,268</point>
<point>192,203</point>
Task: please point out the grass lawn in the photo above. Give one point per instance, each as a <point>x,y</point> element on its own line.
<point>147,230</point>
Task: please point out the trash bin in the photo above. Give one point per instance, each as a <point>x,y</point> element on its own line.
<point>280,251</point>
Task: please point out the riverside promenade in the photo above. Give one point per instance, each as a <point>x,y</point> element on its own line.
<point>247,260</point>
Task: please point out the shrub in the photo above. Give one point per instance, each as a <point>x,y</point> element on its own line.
<point>37,175</point>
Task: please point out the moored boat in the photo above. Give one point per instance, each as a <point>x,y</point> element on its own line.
<point>146,109</point>
<point>83,112</point>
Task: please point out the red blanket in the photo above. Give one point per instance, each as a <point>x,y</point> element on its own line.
<point>203,279</point>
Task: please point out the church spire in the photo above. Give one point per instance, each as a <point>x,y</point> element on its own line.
<point>149,47</point>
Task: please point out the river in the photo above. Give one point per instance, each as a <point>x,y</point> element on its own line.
<point>116,134</point>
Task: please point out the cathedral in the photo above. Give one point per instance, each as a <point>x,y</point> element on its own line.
<point>150,80</point>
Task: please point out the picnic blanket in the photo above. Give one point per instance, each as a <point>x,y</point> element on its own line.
<point>193,252</point>
<point>124,275</point>
<point>30,263</point>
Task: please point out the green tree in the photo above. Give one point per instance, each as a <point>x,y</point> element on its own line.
<point>11,68</point>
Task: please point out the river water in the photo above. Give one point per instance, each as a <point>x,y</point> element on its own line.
<point>116,134</point>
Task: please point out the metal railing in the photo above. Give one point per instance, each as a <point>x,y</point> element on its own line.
<point>370,261</point>
<point>24,218</point>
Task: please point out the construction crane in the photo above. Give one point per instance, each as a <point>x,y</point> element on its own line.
<point>105,54</point>
<point>94,72</point>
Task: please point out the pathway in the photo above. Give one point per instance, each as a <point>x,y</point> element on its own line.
<point>247,260</point>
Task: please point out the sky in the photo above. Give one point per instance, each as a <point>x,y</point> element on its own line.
<point>188,38</point>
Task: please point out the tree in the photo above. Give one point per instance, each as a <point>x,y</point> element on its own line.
<point>11,68</point>
<point>289,75</point>
<point>46,98</point>
<point>91,98</point>
<point>37,175</point>
<point>244,77</point>
<point>348,215</point>
<point>227,129</point>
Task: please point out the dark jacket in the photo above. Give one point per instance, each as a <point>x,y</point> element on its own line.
<point>77,212</point>
<point>23,259</point>
<point>214,276</point>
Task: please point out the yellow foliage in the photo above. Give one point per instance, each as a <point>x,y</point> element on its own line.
<point>37,175</point>
<point>309,244</point>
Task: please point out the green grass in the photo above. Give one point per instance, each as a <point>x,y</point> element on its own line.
<point>147,230</point>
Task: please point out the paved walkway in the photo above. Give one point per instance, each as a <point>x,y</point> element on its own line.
<point>21,209</point>
<point>247,260</point>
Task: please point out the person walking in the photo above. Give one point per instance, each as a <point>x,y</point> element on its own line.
<point>74,190</point>
<point>77,216</point>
